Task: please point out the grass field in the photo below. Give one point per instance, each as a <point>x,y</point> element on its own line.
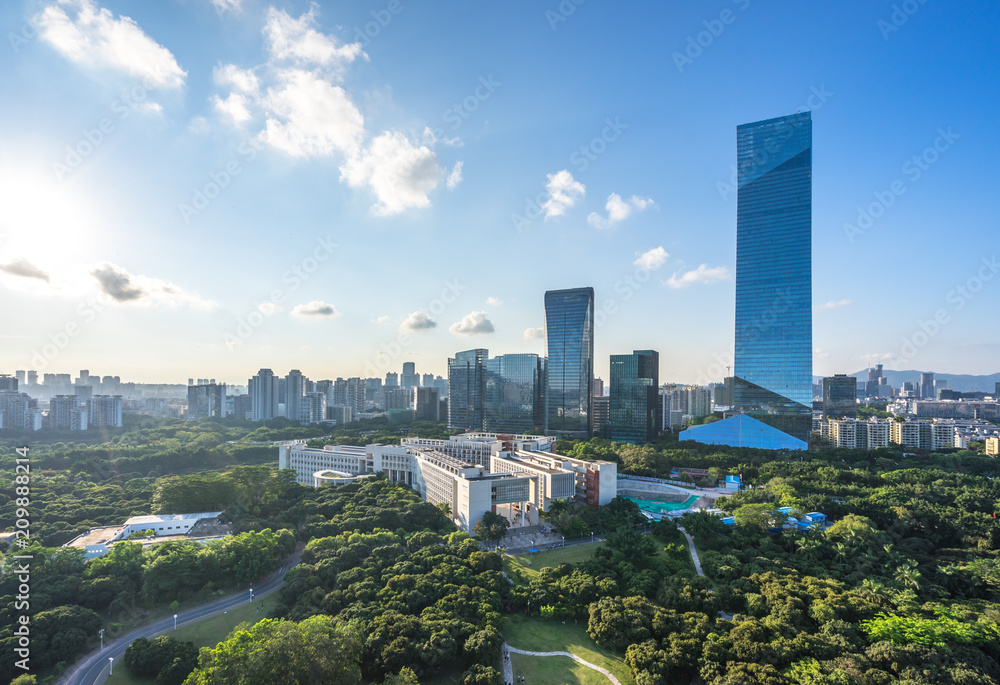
<point>531,563</point>
<point>542,635</point>
<point>207,633</point>
<point>556,669</point>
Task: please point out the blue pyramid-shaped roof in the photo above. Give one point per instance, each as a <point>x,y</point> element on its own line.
<point>743,431</point>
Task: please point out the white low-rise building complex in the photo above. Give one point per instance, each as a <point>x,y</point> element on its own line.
<point>472,473</point>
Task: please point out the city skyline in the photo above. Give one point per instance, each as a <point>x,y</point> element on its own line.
<point>332,242</point>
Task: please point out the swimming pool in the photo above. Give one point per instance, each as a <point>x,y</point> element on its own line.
<point>663,507</point>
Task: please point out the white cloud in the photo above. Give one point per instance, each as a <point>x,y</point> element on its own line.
<point>397,171</point>
<point>494,301</point>
<point>534,333</point>
<point>309,117</point>
<point>234,6</point>
<point>243,80</point>
<point>563,193</point>
<point>473,323</point>
<point>702,274</point>
<point>455,177</point>
<point>234,107</point>
<point>418,321</point>
<point>652,259</point>
<point>820,354</point>
<point>381,320</point>
<point>315,308</point>
<point>306,114</point>
<point>876,356</point>
<point>834,305</point>
<point>124,287</point>
<point>297,40</point>
<point>94,38</point>
<point>619,210</point>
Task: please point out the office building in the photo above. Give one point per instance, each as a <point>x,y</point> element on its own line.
<point>569,391</point>
<point>32,378</point>
<point>341,415</point>
<point>466,389</point>
<point>427,380</point>
<point>514,394</point>
<point>263,390</point>
<point>206,401</point>
<point>391,380</point>
<point>427,404</point>
<point>409,378</point>
<point>601,411</point>
<point>840,396</point>
<point>773,361</point>
<point>598,387</point>
<point>8,383</point>
<point>633,402</point>
<point>927,386</point>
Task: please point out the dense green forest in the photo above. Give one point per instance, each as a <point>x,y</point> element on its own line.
<point>904,587</point>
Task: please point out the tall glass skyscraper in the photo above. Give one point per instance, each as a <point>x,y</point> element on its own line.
<point>466,389</point>
<point>773,367</point>
<point>515,395</point>
<point>634,400</point>
<point>569,331</point>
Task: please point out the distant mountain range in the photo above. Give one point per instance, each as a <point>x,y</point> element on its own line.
<point>956,381</point>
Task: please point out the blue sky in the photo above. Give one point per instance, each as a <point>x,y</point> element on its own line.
<point>397,181</point>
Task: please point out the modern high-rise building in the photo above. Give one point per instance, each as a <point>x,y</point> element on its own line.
<point>840,394</point>
<point>634,398</point>
<point>295,390</point>
<point>263,389</point>
<point>426,404</point>
<point>427,380</point>
<point>927,386</point>
<point>466,389</point>
<point>206,401</point>
<point>313,407</point>
<point>773,365</point>
<point>391,379</point>
<point>105,411</point>
<point>569,389</point>
<point>8,383</point>
<point>514,398</point>
<point>409,378</point>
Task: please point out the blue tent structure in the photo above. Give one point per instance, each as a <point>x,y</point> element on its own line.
<point>743,431</point>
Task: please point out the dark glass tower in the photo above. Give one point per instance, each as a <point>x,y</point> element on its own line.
<point>635,385</point>
<point>466,388</point>
<point>569,331</point>
<point>773,367</point>
<point>515,393</point>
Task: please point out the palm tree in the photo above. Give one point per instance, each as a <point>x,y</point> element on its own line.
<point>908,575</point>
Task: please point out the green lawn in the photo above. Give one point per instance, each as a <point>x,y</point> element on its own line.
<point>556,669</point>
<point>207,633</point>
<point>543,635</point>
<point>531,563</point>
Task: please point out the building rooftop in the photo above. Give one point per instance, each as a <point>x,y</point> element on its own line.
<point>95,536</point>
<point>169,518</point>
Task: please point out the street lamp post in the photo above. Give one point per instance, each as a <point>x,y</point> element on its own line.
<point>111,669</point>
<point>102,638</point>
<point>175,621</point>
<point>564,540</point>
<point>251,594</point>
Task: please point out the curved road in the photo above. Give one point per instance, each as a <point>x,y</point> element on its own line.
<point>93,668</point>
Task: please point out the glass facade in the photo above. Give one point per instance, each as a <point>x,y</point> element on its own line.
<point>515,397</point>
<point>569,331</point>
<point>634,400</point>
<point>840,395</point>
<point>773,366</point>
<point>466,388</point>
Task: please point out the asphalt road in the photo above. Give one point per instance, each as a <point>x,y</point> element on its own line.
<point>93,668</point>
